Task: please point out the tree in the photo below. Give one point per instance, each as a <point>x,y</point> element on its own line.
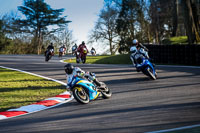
<point>132,23</point>
<point>105,28</point>
<point>191,20</point>
<point>39,16</point>
<point>65,37</point>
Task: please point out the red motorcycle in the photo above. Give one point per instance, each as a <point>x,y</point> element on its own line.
<point>81,56</point>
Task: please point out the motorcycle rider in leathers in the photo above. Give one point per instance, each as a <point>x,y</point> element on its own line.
<point>71,71</point>
<point>48,48</point>
<point>81,48</point>
<point>138,48</point>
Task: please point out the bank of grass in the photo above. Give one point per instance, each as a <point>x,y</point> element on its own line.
<point>176,40</point>
<point>19,89</point>
<point>105,59</point>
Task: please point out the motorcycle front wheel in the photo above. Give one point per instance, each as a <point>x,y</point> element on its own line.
<point>81,95</point>
<point>47,57</point>
<point>83,59</point>
<point>150,73</point>
<point>105,91</point>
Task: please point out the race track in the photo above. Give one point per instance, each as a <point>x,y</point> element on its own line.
<point>138,104</point>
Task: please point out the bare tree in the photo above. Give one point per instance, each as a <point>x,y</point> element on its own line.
<point>105,28</point>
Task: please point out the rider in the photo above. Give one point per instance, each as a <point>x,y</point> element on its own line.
<point>62,49</point>
<point>49,47</point>
<point>138,48</point>
<point>74,47</point>
<point>76,71</point>
<point>82,48</point>
<point>93,50</point>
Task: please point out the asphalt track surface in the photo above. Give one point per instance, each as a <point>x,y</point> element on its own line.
<point>138,104</point>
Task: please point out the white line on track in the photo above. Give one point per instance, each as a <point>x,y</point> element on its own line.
<point>43,108</point>
<point>174,66</point>
<point>35,75</point>
<point>175,129</point>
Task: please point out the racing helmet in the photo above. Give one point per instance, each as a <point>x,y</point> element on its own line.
<point>135,41</point>
<point>69,68</point>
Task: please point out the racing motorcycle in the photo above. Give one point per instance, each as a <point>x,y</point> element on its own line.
<point>93,52</point>
<point>143,64</point>
<point>74,50</point>
<point>62,51</point>
<point>84,90</point>
<point>81,56</point>
<point>49,54</point>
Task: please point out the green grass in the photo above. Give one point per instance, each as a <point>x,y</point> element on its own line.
<point>192,130</point>
<point>179,40</point>
<point>105,59</point>
<point>176,40</point>
<point>19,89</point>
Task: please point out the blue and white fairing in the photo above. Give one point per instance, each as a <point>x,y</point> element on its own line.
<point>90,87</point>
<point>145,65</point>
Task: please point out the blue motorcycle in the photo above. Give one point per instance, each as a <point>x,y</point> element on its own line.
<point>84,90</point>
<point>144,65</point>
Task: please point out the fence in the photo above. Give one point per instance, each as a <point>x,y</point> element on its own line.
<point>175,54</point>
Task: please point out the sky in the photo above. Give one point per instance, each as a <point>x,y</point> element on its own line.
<point>82,13</point>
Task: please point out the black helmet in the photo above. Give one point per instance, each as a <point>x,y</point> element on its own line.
<point>69,68</point>
<point>83,42</point>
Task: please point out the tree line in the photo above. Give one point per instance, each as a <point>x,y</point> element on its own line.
<point>32,32</point>
<point>119,22</point>
<point>150,21</point>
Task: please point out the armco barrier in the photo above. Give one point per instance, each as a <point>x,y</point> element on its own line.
<point>175,54</point>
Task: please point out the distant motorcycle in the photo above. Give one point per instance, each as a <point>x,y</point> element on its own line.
<point>93,52</point>
<point>49,54</point>
<point>81,56</point>
<point>84,90</point>
<point>62,52</point>
<point>74,50</point>
<point>143,64</point>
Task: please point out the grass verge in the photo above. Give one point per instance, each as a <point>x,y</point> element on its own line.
<point>105,59</point>
<point>20,89</point>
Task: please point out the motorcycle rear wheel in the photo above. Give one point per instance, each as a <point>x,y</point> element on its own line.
<point>81,95</point>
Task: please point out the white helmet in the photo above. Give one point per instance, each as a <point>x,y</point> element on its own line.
<point>135,41</point>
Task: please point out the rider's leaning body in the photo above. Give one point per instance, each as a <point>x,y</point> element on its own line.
<point>72,71</point>
<point>138,48</point>
<point>82,48</point>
